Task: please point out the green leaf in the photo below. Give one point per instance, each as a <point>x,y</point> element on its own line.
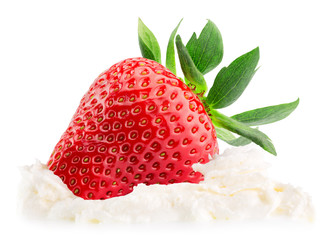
<point>240,141</point>
<point>228,137</point>
<point>192,74</point>
<point>231,81</point>
<point>191,44</point>
<point>224,134</point>
<point>170,55</point>
<point>266,115</point>
<point>207,50</point>
<point>148,43</point>
<point>258,137</point>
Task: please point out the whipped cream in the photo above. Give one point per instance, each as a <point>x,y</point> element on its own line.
<point>236,187</point>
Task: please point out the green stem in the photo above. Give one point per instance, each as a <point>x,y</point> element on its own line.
<point>222,121</point>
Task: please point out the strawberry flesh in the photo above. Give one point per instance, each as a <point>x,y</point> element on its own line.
<point>138,123</point>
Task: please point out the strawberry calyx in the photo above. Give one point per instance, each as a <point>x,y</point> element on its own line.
<point>201,55</point>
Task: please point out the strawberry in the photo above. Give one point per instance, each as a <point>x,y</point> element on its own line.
<point>138,123</point>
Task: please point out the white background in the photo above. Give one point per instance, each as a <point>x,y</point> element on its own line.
<point>51,51</point>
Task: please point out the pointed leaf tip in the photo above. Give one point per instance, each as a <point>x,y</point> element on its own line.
<point>206,50</point>
<point>258,137</point>
<point>231,81</point>
<point>266,115</point>
<point>170,55</point>
<point>148,43</point>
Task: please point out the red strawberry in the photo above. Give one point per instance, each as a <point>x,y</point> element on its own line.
<point>138,123</point>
